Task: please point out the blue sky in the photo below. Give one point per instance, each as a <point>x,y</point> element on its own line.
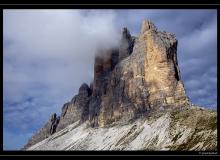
<point>48,54</point>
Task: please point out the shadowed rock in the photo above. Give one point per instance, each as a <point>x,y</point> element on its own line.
<point>126,44</point>
<point>77,108</point>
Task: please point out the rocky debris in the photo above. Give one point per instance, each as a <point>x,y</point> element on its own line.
<point>137,78</point>
<point>187,129</point>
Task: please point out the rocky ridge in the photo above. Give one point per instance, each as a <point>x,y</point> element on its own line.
<point>138,78</point>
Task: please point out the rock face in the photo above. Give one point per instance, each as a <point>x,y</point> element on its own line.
<point>145,80</point>
<point>105,62</point>
<point>77,108</point>
<point>139,77</point>
<point>126,44</point>
<point>161,69</point>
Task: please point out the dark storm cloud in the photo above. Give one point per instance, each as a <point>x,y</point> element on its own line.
<point>48,54</point>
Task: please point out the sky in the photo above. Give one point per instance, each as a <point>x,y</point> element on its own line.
<point>48,54</point>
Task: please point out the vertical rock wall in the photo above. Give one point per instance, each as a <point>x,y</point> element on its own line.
<point>140,75</point>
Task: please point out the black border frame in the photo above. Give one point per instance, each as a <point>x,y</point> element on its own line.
<point>110,6</point>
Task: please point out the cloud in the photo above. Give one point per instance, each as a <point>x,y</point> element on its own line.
<point>47,48</point>
<point>48,54</point>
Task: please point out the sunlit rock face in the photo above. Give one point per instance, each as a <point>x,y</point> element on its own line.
<point>162,73</point>
<point>144,80</point>
<point>138,79</point>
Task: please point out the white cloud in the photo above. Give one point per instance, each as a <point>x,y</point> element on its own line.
<point>47,55</point>
<point>48,47</point>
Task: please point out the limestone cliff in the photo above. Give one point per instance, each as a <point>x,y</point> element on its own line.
<point>137,79</point>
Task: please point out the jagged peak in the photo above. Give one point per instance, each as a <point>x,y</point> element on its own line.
<point>147,25</point>
<point>53,117</point>
<point>125,33</point>
<point>84,88</point>
<point>126,45</point>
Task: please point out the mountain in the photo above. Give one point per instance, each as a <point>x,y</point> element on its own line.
<point>136,101</point>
